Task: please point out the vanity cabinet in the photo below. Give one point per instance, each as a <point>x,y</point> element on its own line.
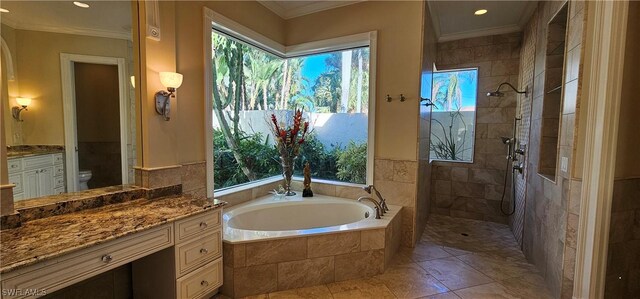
<point>36,176</point>
<point>181,259</point>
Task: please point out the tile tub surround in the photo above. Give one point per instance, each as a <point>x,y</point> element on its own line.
<point>473,190</point>
<point>296,261</point>
<point>395,179</point>
<point>46,238</point>
<point>444,265</point>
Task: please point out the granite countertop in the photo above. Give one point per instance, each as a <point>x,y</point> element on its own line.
<point>47,238</point>
<point>20,151</point>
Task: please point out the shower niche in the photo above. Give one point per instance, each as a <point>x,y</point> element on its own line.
<point>553,94</point>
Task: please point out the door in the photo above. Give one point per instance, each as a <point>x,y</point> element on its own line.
<point>45,181</point>
<point>30,186</point>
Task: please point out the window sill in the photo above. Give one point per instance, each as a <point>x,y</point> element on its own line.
<point>278,178</point>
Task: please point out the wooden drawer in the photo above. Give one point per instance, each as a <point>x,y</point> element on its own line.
<point>14,165</point>
<point>58,273</point>
<point>197,225</point>
<point>201,282</point>
<point>35,162</point>
<point>16,179</point>
<point>58,158</point>
<point>58,182</point>
<point>199,251</point>
<point>58,170</point>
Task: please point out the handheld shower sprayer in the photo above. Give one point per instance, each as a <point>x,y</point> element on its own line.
<point>499,93</point>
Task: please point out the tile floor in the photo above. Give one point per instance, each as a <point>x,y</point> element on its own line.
<point>456,258</point>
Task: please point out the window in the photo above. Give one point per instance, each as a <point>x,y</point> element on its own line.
<point>454,115</point>
<point>250,84</point>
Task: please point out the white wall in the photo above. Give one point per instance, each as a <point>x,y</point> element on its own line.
<point>331,128</point>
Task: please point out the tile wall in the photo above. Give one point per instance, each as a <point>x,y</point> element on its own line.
<point>473,190</point>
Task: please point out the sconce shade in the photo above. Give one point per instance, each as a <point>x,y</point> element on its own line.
<point>170,79</point>
<point>23,101</point>
<point>133,81</point>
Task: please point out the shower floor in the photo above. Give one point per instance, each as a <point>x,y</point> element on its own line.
<point>455,258</point>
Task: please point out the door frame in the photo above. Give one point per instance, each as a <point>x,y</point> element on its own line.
<point>604,63</point>
<point>69,108</point>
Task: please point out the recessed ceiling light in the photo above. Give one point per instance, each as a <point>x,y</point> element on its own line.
<point>81,4</point>
<point>480,12</point>
<point>4,10</point>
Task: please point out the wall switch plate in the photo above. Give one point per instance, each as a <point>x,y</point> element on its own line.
<point>564,162</point>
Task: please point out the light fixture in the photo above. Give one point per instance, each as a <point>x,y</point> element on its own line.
<point>171,81</point>
<point>133,81</point>
<point>23,103</point>
<point>480,12</point>
<point>4,10</point>
<point>80,4</point>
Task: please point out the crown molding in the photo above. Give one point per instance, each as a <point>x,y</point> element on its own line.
<point>67,30</point>
<point>309,8</point>
<point>435,20</point>
<point>478,33</point>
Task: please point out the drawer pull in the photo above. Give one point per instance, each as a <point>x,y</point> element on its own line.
<point>203,225</point>
<point>107,258</point>
<point>204,283</point>
<point>204,251</point>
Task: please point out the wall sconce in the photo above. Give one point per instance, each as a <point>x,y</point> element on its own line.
<point>171,81</point>
<point>15,110</point>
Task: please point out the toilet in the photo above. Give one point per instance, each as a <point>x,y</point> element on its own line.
<point>84,176</point>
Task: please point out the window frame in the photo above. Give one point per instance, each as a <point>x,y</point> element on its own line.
<point>215,21</point>
<point>475,115</point>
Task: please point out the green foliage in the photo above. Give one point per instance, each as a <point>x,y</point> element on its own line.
<point>258,155</point>
<point>451,146</point>
<point>335,163</point>
<point>352,163</point>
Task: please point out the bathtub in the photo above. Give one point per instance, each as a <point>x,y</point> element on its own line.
<point>272,244</point>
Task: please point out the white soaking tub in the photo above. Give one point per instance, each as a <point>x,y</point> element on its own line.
<point>292,242</point>
<point>270,217</point>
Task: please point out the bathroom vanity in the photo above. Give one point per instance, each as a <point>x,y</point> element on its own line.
<point>174,245</point>
<point>36,173</point>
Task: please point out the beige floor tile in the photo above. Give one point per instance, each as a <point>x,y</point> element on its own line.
<point>486,291</point>
<point>454,274</point>
<point>360,289</point>
<point>497,268</point>
<point>530,286</point>
<point>425,251</point>
<point>316,292</point>
<point>411,281</point>
<point>448,295</point>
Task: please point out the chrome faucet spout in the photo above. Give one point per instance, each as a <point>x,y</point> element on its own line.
<point>378,208</point>
<point>383,202</point>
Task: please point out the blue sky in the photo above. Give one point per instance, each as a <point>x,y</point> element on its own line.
<point>468,81</point>
<point>312,67</point>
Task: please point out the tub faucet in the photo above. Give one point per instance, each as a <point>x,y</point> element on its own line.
<point>378,207</point>
<point>383,202</point>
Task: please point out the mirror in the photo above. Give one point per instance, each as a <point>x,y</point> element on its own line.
<point>70,114</point>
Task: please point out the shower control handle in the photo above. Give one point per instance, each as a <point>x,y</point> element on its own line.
<point>519,167</point>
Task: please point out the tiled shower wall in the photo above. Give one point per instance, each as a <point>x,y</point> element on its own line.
<point>473,190</point>
<point>527,62</point>
<point>552,207</point>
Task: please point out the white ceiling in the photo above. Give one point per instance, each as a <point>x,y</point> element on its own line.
<point>102,18</point>
<point>455,19</point>
<point>288,9</point>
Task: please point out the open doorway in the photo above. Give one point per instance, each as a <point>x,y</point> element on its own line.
<point>94,90</point>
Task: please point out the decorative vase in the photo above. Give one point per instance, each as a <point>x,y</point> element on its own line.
<point>287,172</point>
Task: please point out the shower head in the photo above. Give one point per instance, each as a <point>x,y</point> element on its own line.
<point>506,140</point>
<point>499,93</point>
